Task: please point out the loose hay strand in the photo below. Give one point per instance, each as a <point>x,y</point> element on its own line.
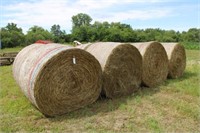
<point>155,63</point>
<point>177,59</point>
<point>121,65</point>
<point>53,82</point>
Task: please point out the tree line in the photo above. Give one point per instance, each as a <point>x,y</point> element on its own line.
<point>84,31</point>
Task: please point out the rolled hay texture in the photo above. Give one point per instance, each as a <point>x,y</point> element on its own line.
<point>121,65</point>
<point>177,59</point>
<point>56,78</point>
<point>155,63</point>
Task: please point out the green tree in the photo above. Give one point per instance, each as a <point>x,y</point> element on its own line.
<point>37,33</point>
<point>153,34</point>
<point>13,27</point>
<point>81,34</point>
<point>141,35</point>
<point>120,33</point>
<point>11,36</point>
<point>192,35</point>
<point>82,30</point>
<point>58,35</point>
<point>81,27</point>
<point>114,35</point>
<point>81,19</point>
<point>55,30</point>
<point>170,36</point>
<point>100,30</point>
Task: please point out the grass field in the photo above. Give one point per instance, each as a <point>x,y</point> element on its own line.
<point>16,49</point>
<point>191,45</point>
<point>173,106</point>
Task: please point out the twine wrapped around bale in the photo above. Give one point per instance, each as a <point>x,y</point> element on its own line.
<point>155,63</point>
<point>121,65</point>
<point>177,59</point>
<point>56,78</point>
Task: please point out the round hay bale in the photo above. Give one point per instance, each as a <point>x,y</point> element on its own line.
<point>56,78</point>
<point>177,59</point>
<point>121,65</point>
<point>155,63</point>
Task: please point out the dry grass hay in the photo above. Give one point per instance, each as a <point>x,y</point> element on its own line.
<point>121,65</point>
<point>155,63</point>
<point>177,59</point>
<point>56,78</point>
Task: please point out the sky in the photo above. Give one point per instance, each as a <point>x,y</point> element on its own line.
<point>178,15</point>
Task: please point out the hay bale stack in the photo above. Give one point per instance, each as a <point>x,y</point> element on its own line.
<point>56,78</point>
<point>177,59</point>
<point>155,63</point>
<point>121,65</point>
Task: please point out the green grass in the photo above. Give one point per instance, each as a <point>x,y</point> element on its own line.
<point>192,55</point>
<point>153,124</point>
<point>16,49</point>
<point>171,107</point>
<point>191,45</point>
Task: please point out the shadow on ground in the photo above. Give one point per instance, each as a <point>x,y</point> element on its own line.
<point>187,75</point>
<point>104,105</point>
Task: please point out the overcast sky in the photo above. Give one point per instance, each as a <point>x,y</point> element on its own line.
<point>179,15</point>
